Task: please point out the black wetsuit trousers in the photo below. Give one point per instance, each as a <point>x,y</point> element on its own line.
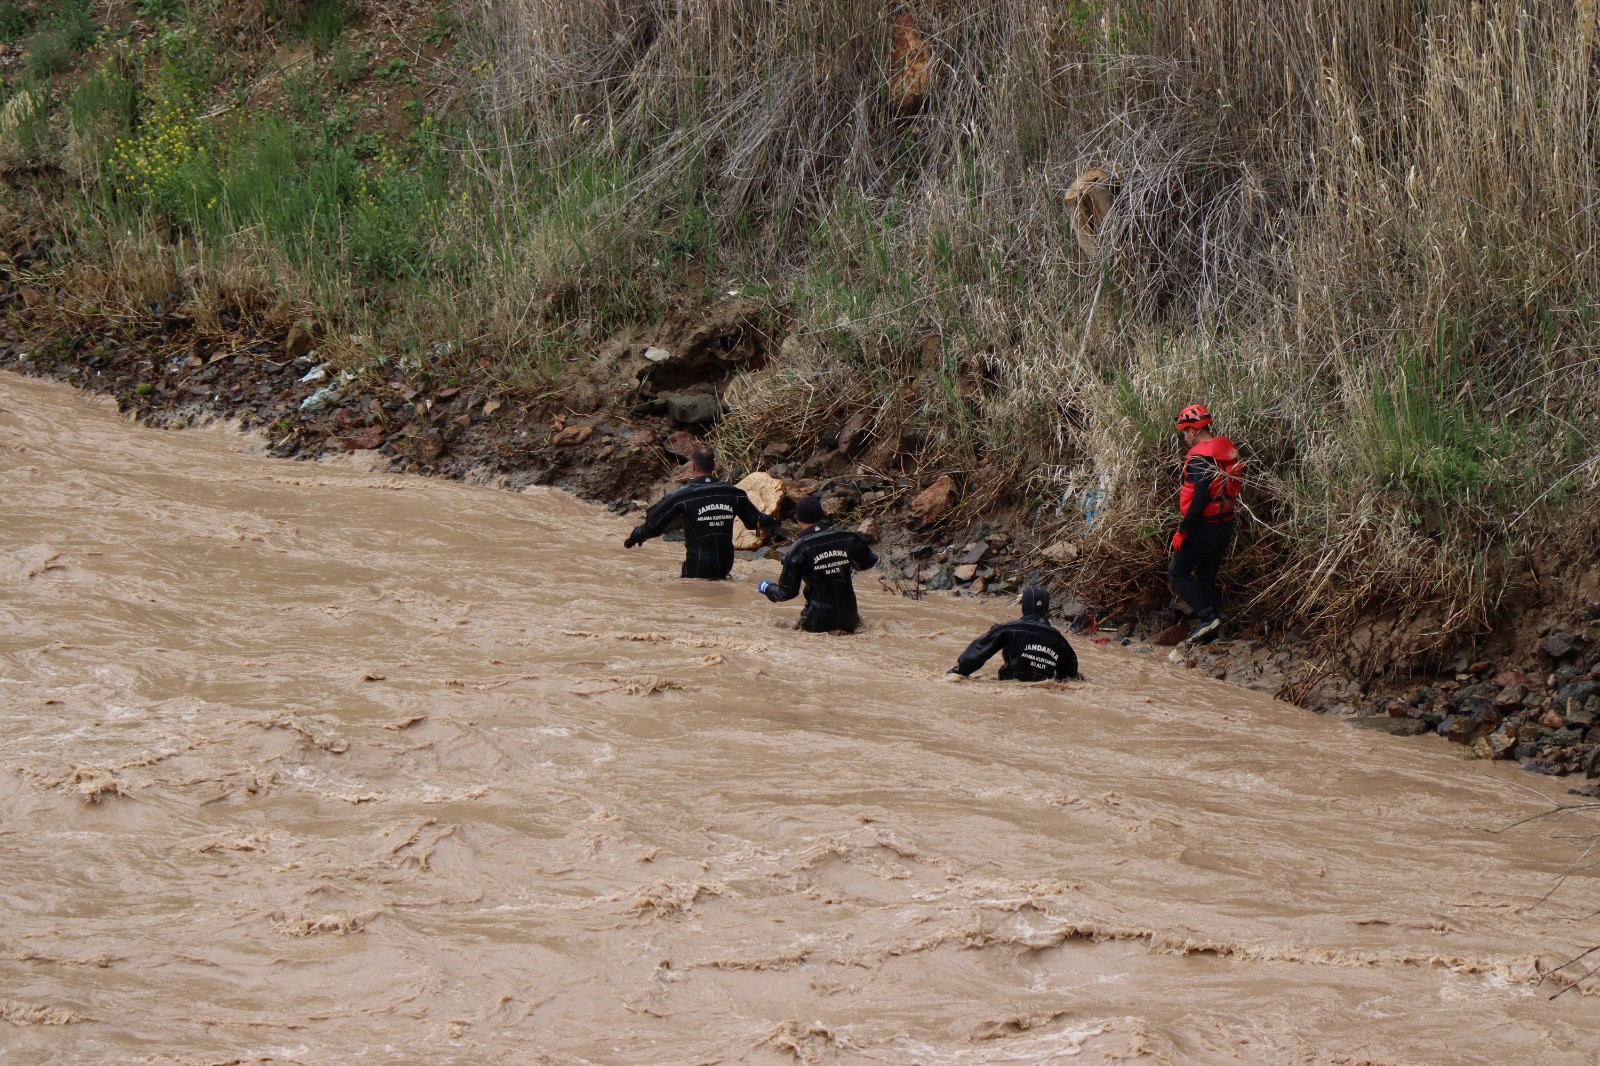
<point>815,619</point>
<point>1193,569</point>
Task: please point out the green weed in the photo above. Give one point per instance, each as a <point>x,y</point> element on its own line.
<point>164,10</point>
<point>347,66</point>
<point>14,22</point>
<point>67,30</point>
<point>442,26</point>
<point>325,21</point>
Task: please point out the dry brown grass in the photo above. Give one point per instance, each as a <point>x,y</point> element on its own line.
<point>1324,214</point>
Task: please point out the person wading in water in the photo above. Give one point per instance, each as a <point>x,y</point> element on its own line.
<point>706,507</point>
<point>1031,648</point>
<point>821,559</point>
<point>1206,499</point>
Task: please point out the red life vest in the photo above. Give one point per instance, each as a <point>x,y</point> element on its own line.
<point>1225,483</point>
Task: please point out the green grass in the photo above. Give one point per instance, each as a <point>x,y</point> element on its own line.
<point>61,34</point>
<point>164,10</point>
<point>389,233</point>
<point>321,22</point>
<point>14,22</point>
<point>325,21</point>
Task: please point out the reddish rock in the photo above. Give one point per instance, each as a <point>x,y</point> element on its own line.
<point>1511,696</point>
<point>570,435</point>
<point>364,441</point>
<point>936,501</point>
<point>298,342</point>
<point>1171,636</point>
<point>681,443</point>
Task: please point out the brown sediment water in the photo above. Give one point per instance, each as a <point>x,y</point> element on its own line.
<point>301,763</point>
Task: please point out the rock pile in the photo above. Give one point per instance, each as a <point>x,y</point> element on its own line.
<point>1545,714</point>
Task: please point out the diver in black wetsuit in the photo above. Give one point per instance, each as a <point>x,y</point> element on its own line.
<point>706,509</point>
<point>1032,648</point>
<point>821,559</point>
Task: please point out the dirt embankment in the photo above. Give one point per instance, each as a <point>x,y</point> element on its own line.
<point>617,434</point>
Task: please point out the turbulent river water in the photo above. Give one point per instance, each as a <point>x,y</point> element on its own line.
<point>301,763</point>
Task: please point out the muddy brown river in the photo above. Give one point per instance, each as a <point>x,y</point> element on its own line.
<point>306,764</point>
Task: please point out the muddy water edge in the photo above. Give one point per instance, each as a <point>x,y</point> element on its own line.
<point>304,763</point>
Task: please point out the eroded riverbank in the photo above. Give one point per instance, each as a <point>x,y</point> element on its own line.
<point>310,764</point>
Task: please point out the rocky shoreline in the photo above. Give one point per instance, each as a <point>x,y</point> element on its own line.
<point>1539,704</point>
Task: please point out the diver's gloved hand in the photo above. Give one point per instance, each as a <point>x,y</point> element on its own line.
<point>1177,539</point>
<point>633,540</point>
<point>765,587</point>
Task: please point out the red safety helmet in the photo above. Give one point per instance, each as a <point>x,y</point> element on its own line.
<point>1195,416</point>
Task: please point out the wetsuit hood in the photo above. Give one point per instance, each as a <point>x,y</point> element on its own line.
<point>1035,602</point>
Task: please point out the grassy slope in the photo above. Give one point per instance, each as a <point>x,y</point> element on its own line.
<point>1365,237</point>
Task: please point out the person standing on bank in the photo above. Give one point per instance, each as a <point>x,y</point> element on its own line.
<point>821,560</point>
<point>1206,500</point>
<point>1031,649</point>
<point>706,507</point>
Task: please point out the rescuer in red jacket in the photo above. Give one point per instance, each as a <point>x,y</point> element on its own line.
<point>1206,500</point>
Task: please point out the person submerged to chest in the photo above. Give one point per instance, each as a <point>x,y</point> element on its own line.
<point>821,563</point>
<point>705,509</point>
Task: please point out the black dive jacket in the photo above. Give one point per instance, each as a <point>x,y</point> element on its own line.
<point>1031,648</point>
<point>822,559</point>
<point>706,508</point>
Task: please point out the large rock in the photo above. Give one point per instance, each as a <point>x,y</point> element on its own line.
<point>1060,552</point>
<point>854,431</point>
<point>1559,645</point>
<point>936,501</point>
<point>1398,727</point>
<point>1564,738</point>
<point>692,408</point>
<point>1476,718</point>
<point>768,494</point>
<point>1171,636</point>
<point>1511,696</point>
<point>1581,691</point>
<point>299,340</point>
<point>1481,711</point>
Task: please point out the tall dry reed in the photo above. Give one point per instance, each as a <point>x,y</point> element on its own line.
<point>1362,230</point>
